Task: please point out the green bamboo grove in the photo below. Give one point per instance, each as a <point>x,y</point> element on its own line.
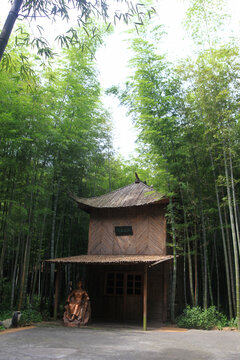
<point>56,138</point>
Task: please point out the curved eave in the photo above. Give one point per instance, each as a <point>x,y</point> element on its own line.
<point>133,195</point>
<point>88,208</point>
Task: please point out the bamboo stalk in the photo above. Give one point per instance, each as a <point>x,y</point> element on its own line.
<point>8,26</point>
<point>234,201</point>
<point>234,239</point>
<point>223,238</point>
<point>56,293</point>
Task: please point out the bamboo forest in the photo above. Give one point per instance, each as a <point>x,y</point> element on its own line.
<point>57,140</point>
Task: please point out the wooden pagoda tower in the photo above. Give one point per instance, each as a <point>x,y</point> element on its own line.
<point>127,264</point>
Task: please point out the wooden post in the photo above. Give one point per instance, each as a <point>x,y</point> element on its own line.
<point>145,299</point>
<point>125,296</point>
<point>56,292</point>
<point>165,289</point>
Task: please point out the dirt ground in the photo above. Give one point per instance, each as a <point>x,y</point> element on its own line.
<point>51,341</point>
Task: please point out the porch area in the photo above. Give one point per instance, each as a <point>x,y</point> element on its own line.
<point>123,289</point>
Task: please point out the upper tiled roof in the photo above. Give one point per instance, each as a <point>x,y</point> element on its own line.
<point>136,194</point>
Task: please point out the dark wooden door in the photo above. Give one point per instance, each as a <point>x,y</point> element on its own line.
<point>123,296</point>
<point>134,296</point>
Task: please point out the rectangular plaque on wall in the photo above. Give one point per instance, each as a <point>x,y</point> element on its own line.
<point>123,230</point>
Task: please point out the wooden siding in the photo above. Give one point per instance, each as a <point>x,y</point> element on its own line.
<point>149,231</point>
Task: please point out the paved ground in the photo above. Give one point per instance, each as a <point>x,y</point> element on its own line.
<point>118,344</point>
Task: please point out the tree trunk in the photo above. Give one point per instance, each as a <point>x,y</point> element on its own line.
<point>109,171</point>
<point>230,261</point>
<point>190,271</point>
<point>205,285</point>
<point>184,272</point>
<point>223,238</point>
<point>53,237</point>
<point>5,236</point>
<point>59,231</point>
<point>234,201</point>
<point>204,267</point>
<point>38,265</point>
<point>210,284</point>
<point>23,285</point>
<point>174,276</point>
<point>8,26</point>
<point>196,268</point>
<point>186,238</point>
<point>217,273</point>
<point>235,246</point>
<point>14,273</point>
<point>24,273</point>
<point>3,253</point>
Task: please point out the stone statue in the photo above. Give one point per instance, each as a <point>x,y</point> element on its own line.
<point>13,322</point>
<point>77,308</point>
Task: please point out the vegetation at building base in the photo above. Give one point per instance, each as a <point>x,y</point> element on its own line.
<point>30,314</point>
<point>55,138</point>
<point>28,317</point>
<point>206,319</point>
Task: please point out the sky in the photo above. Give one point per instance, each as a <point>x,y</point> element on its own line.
<point>112,60</point>
<point>113,64</point>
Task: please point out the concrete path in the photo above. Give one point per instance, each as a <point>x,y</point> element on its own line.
<point>118,343</point>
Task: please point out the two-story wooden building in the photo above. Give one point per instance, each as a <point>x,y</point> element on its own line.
<point>127,265</point>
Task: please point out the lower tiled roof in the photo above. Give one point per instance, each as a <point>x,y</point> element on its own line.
<point>112,259</point>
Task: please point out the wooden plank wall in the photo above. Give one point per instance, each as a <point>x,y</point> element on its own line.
<point>149,231</point>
